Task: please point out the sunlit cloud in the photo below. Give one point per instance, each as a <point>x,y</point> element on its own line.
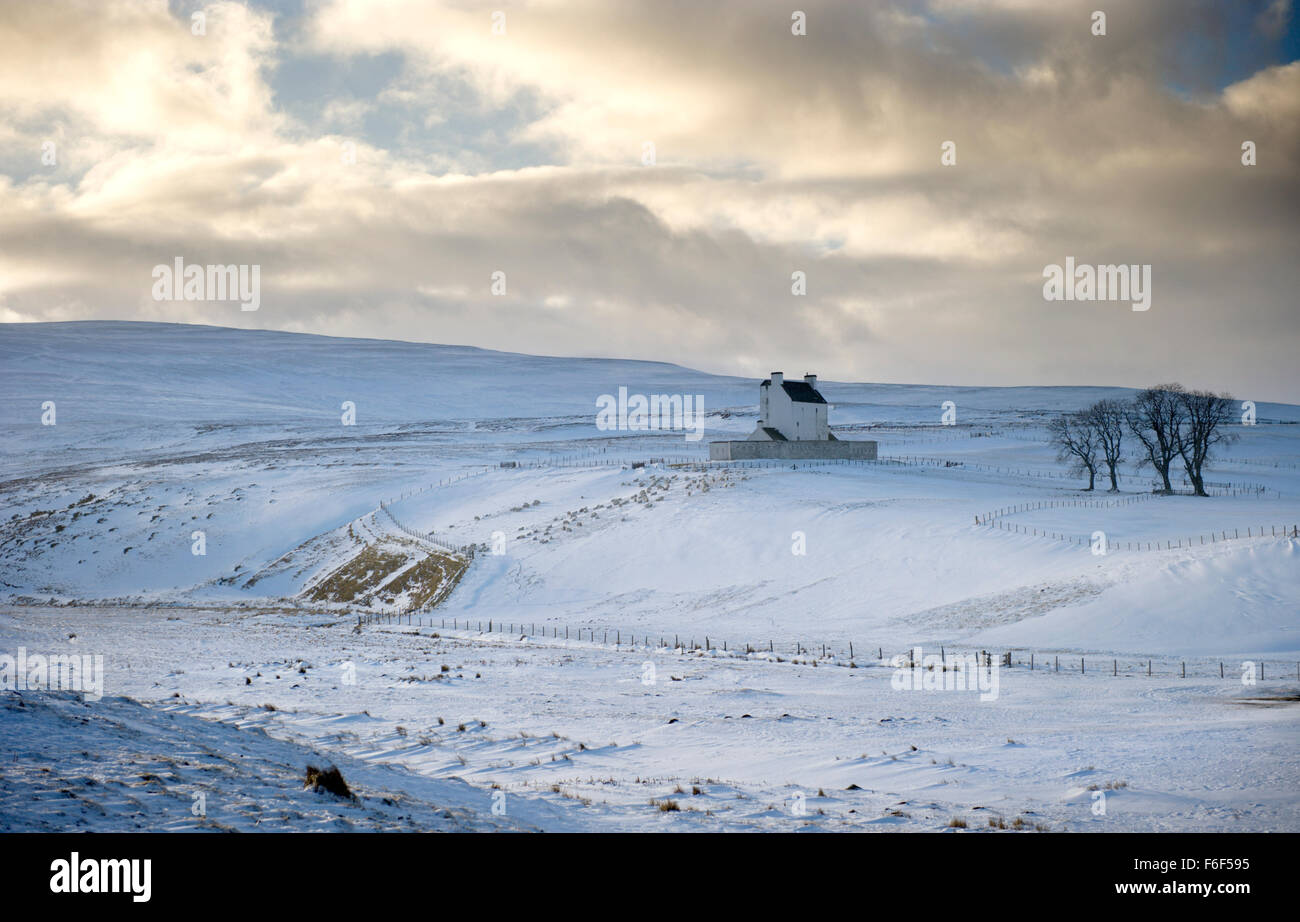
<point>384,206</point>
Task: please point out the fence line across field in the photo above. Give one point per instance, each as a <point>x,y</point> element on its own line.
<point>846,655</point>
<point>1263,531</point>
<point>994,519</point>
<point>699,463</point>
<point>466,550</point>
<point>1260,462</point>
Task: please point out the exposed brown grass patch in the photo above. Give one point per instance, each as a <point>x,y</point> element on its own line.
<point>429,581</point>
<point>360,576</point>
<point>369,577</point>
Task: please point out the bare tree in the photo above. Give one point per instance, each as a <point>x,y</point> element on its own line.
<point>1156,420</point>
<point>1076,440</point>
<point>1108,418</point>
<point>1204,416</point>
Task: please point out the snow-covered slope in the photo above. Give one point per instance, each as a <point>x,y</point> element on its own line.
<point>166,431</point>
<point>168,439</point>
<point>116,766</point>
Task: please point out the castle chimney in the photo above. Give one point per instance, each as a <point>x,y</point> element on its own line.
<point>810,380</point>
<point>777,379</point>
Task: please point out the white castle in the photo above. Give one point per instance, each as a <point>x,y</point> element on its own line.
<point>792,423</point>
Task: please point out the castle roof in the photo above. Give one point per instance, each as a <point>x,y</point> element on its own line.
<point>798,391</point>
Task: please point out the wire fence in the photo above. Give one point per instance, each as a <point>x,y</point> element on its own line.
<point>581,461</point>
<point>445,482</point>
<point>445,544</point>
<point>1214,488</point>
<point>1261,462</point>
<point>465,550</point>
<point>702,462</point>
<point>842,653</point>
<point>1103,544</point>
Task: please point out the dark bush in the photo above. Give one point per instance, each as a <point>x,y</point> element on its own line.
<point>330,779</point>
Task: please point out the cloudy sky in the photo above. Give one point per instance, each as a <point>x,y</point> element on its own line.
<point>381,160</point>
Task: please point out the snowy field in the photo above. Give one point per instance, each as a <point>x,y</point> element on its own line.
<point>679,645</point>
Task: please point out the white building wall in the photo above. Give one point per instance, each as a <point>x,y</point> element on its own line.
<point>798,422</point>
<point>780,409</point>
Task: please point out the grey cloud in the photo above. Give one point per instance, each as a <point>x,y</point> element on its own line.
<point>819,154</point>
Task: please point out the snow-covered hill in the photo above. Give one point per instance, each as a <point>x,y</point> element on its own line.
<point>164,431</point>
<point>172,439</point>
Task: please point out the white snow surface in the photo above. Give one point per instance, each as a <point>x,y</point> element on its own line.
<point>164,430</point>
